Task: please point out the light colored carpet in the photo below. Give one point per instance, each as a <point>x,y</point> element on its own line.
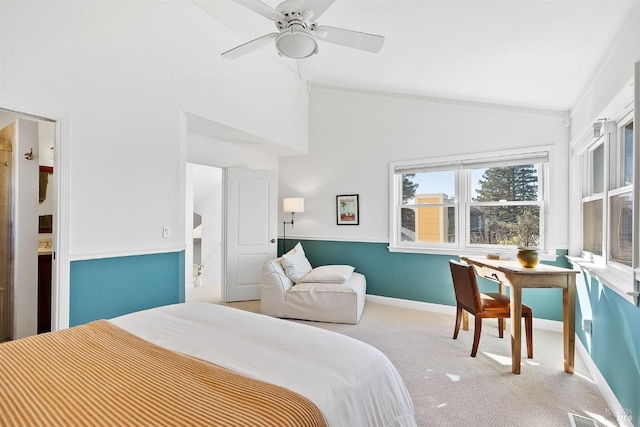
<point>450,388</point>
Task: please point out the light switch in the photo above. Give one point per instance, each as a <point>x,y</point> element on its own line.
<point>166,231</point>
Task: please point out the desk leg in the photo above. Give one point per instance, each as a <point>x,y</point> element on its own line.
<point>516,327</point>
<point>569,323</point>
<point>465,320</point>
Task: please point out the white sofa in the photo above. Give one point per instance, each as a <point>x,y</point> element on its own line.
<point>327,294</point>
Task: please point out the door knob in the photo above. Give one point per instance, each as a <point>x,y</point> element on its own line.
<point>273,240</point>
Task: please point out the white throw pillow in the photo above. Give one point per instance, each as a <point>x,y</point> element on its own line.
<point>329,274</point>
<point>295,263</point>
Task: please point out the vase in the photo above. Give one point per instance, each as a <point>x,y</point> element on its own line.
<point>528,256</point>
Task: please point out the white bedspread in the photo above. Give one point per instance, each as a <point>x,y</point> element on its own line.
<point>351,382</point>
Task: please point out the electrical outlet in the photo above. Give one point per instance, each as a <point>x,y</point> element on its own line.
<point>166,231</point>
<point>586,325</point>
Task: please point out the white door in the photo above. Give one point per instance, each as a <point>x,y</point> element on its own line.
<point>251,226</point>
<point>25,232</point>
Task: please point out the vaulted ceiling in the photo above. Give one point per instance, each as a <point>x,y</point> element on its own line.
<point>535,53</point>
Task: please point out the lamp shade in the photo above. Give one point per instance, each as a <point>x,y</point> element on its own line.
<point>293,204</point>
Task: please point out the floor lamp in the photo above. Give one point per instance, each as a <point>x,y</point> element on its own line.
<point>293,205</point>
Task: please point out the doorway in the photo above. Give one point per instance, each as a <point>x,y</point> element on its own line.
<point>203,233</point>
<point>28,193</point>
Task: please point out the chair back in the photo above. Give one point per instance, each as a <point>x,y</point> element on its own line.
<point>465,286</point>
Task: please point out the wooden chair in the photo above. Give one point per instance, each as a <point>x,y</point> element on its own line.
<point>487,305</point>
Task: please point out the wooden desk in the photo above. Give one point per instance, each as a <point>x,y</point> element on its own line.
<point>512,274</point>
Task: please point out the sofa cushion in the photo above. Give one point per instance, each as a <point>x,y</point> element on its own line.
<point>329,274</point>
<point>295,264</point>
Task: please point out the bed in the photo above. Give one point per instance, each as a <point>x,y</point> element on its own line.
<point>160,363</point>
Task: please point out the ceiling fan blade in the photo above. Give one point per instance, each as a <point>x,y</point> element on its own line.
<point>261,8</point>
<point>350,38</point>
<point>318,7</point>
<point>249,46</point>
<point>306,69</point>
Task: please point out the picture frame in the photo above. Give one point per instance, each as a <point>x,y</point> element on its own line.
<point>347,209</point>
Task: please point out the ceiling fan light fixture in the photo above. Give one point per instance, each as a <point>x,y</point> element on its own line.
<point>297,44</point>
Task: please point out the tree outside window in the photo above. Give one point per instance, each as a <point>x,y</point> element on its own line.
<point>496,216</point>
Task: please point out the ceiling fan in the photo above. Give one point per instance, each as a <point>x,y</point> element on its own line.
<point>298,33</point>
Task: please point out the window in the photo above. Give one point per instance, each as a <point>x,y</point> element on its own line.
<point>592,202</point>
<point>475,204</point>
<point>621,194</point>
<point>592,226</point>
<point>609,174</point>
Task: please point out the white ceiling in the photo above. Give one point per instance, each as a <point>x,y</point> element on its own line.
<point>533,53</point>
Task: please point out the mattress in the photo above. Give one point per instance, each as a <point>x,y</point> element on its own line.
<point>351,382</point>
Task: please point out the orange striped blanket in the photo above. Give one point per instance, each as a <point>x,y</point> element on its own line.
<point>100,375</point>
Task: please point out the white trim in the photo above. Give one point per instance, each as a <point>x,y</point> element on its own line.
<point>62,274</point>
<point>60,271</point>
<point>618,280</point>
<point>550,255</point>
<point>478,157</point>
<point>616,408</point>
<point>549,325</point>
<point>335,239</point>
<point>503,251</point>
<point>416,305</point>
<point>615,110</point>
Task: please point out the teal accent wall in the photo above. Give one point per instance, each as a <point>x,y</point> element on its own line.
<point>614,341</point>
<point>416,277</point>
<point>109,287</point>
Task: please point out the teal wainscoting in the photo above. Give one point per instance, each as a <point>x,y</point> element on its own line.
<point>614,341</point>
<point>416,277</point>
<point>109,287</point>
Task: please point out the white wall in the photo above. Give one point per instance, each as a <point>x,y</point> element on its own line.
<point>354,135</point>
<point>614,72</point>
<point>611,88</point>
<point>119,74</point>
<point>207,151</point>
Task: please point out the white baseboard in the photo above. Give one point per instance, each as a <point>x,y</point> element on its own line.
<point>617,410</point>
<point>416,305</point>
<point>549,325</point>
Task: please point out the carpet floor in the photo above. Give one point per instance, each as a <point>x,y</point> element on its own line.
<point>450,388</point>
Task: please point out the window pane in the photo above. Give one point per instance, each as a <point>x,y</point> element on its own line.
<point>597,170</point>
<point>436,187</point>
<point>621,228</point>
<point>511,183</point>
<point>505,225</point>
<point>431,225</point>
<point>592,227</point>
<point>627,154</point>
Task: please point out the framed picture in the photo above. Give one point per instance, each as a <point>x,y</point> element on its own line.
<point>347,209</point>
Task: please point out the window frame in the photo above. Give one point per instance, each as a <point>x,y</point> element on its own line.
<point>618,276</point>
<point>462,166</point>
<point>590,195</point>
<point>617,187</point>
